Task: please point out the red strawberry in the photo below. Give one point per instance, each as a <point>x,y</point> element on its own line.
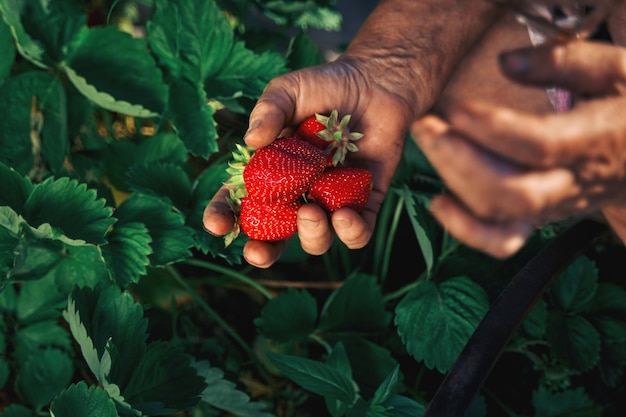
<point>329,134</point>
<point>268,222</point>
<point>342,187</point>
<point>282,171</point>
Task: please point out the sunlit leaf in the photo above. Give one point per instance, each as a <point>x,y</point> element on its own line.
<point>290,315</point>
<point>573,340</point>
<point>44,375</point>
<point>576,286</point>
<point>436,320</point>
<point>224,395</point>
<point>127,252</point>
<point>71,207</point>
<point>116,71</point>
<point>316,377</point>
<point>171,238</point>
<point>33,129</point>
<point>84,401</point>
<point>356,306</point>
<point>304,14</point>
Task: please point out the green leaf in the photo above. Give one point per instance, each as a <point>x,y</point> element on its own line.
<point>70,207</point>
<point>17,410</point>
<point>15,189</point>
<point>11,11</point>
<point>192,117</point>
<point>7,50</point>
<point>422,225</point>
<point>303,52</point>
<point>535,322</point>
<point>171,239</point>
<point>613,350</point>
<point>436,320</point>
<point>573,340</point>
<point>127,252</point>
<point>223,394</point>
<point>80,400</point>
<point>316,377</point>
<point>33,130</point>
<point>81,265</point>
<point>401,406</point>
<point>105,319</point>
<point>31,339</point>
<point>163,381</point>
<point>246,73</point>
<point>338,359</point>
<point>116,71</point>
<point>40,300</point>
<point>304,14</point>
<point>290,315</point>
<point>36,258</point>
<point>576,286</point>
<point>565,403</point>
<point>43,376</point>
<point>356,306</point>
<point>162,179</point>
<point>387,388</point>
<point>190,38</point>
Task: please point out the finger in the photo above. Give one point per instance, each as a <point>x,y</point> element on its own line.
<point>267,121</point>
<point>263,254</point>
<point>498,239</point>
<point>352,228</point>
<point>582,67</point>
<point>590,131</point>
<point>492,187</point>
<point>218,218</point>
<point>314,231</point>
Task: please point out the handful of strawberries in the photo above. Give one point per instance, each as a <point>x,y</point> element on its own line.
<point>268,187</point>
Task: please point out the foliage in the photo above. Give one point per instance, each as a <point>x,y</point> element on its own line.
<point>119,118</point>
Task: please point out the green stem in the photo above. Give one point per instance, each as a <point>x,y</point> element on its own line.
<point>404,290</point>
<point>390,239</point>
<point>229,272</point>
<point>212,313</point>
<point>381,232</point>
<point>503,406</point>
<point>322,342</point>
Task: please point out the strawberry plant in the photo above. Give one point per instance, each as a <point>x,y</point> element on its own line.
<point>119,123</point>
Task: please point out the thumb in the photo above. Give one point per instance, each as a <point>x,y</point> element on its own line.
<point>583,67</point>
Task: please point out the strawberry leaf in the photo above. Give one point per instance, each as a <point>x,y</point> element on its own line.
<point>15,189</point>
<point>573,340</point>
<point>576,286</point>
<point>223,394</point>
<point>43,375</point>
<point>163,180</point>
<point>171,238</point>
<point>31,339</point>
<point>7,50</point>
<point>303,52</point>
<point>164,381</point>
<point>71,207</point>
<point>127,252</point>
<point>436,320</point>
<point>193,117</point>
<point>80,400</point>
<point>356,306</point>
<point>288,316</point>
<point>116,71</point>
<point>423,225</point>
<point>564,403</point>
<point>29,48</point>
<point>316,377</point>
<point>33,130</point>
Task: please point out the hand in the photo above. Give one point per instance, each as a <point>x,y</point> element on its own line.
<point>509,171</point>
<point>378,113</point>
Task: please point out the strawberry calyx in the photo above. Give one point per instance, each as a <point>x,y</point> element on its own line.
<point>236,187</point>
<point>336,133</point>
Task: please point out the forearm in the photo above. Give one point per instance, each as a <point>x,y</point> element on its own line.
<point>413,46</point>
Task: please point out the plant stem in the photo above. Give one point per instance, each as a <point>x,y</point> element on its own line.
<point>402,291</point>
<point>381,232</point>
<point>230,273</point>
<point>207,308</point>
<point>503,406</point>
<point>322,342</point>
<point>390,239</point>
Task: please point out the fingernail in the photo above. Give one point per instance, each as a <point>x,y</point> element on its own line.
<point>253,125</point>
<point>516,62</point>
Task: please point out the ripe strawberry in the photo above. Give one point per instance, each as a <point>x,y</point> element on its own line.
<point>342,187</point>
<point>282,171</point>
<point>329,134</point>
<point>268,222</point>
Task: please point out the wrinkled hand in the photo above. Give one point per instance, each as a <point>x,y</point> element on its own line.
<point>509,171</point>
<point>287,100</point>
